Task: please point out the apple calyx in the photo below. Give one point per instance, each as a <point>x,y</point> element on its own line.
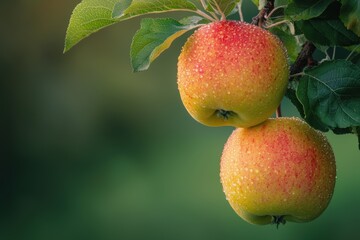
<point>277,220</point>
<point>224,114</point>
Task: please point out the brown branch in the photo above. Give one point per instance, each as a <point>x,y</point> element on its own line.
<point>304,58</point>
<point>260,18</point>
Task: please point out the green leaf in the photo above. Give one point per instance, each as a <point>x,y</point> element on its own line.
<point>355,48</point>
<point>354,54</point>
<point>226,6</point>
<point>290,42</point>
<point>154,37</point>
<point>330,95</point>
<point>278,3</point>
<point>328,32</point>
<point>291,94</point>
<point>193,21</point>
<point>321,48</point>
<point>92,15</point>
<point>306,9</point>
<point>327,29</point>
<point>120,7</point>
<point>256,2</point>
<point>350,15</point>
<point>259,3</point>
<point>141,7</point>
<point>88,17</point>
<point>356,60</point>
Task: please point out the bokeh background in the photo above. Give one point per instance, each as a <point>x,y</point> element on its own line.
<point>94,151</point>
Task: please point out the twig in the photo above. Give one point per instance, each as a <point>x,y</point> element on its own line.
<point>304,58</point>
<point>260,18</point>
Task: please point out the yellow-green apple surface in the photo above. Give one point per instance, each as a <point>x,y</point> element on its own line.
<point>232,74</point>
<point>281,170</point>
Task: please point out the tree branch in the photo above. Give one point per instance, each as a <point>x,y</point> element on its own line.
<point>304,58</point>
<point>260,18</point>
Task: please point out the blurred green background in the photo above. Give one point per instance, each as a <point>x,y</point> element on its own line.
<point>94,151</point>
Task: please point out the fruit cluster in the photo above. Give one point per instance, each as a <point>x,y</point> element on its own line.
<point>272,170</point>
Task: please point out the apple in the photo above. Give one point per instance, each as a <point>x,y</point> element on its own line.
<point>281,170</point>
<point>232,73</point>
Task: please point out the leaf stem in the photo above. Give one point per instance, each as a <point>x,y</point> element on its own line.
<point>223,17</point>
<point>204,15</point>
<point>278,23</point>
<point>267,16</point>
<point>334,53</point>
<point>203,4</point>
<point>352,52</point>
<point>327,57</point>
<point>297,74</point>
<point>239,5</point>
<point>287,22</point>
<point>214,16</point>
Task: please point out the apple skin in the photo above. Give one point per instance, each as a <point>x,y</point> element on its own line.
<point>232,74</point>
<point>281,170</point>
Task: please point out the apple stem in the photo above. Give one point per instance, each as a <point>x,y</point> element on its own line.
<point>278,112</point>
